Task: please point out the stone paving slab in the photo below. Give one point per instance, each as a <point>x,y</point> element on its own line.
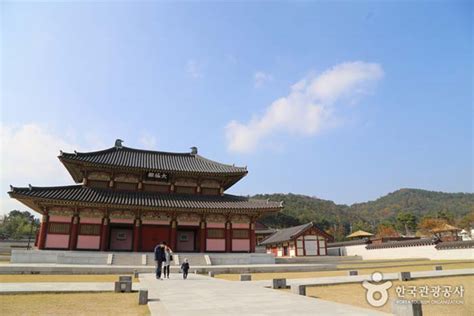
<point>360,278</point>
<point>71,287</point>
<point>201,295</point>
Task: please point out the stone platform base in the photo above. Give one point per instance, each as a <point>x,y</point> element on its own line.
<point>135,258</point>
<point>35,268</point>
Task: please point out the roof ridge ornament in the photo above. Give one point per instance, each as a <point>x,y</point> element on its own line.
<point>30,187</point>
<point>194,150</point>
<point>118,143</point>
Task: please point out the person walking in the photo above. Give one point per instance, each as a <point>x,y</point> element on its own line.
<point>185,268</point>
<point>159,258</point>
<point>167,262</point>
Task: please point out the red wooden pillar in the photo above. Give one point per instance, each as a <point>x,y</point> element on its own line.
<point>304,247</point>
<point>104,238</point>
<point>228,237</point>
<point>252,237</point>
<point>173,235</point>
<point>74,232</point>
<point>137,227</point>
<point>317,240</point>
<point>43,231</point>
<point>202,237</point>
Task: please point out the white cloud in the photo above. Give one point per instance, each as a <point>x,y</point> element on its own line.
<point>260,78</point>
<point>194,69</point>
<point>308,108</point>
<point>28,154</point>
<point>147,141</point>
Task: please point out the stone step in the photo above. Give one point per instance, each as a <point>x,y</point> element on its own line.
<point>194,259</point>
<point>127,259</point>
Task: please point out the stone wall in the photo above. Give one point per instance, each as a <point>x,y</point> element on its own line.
<point>429,252</point>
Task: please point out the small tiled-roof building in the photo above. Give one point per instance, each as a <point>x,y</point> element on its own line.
<point>302,240</point>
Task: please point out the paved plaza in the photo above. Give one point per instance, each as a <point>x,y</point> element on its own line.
<point>55,287</point>
<point>201,295</point>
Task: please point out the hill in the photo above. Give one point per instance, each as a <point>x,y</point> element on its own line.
<point>418,202</point>
<point>338,219</point>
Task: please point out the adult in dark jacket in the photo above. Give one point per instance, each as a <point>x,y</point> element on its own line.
<point>159,258</point>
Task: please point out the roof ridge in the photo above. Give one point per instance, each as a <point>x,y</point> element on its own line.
<point>220,163</point>
<point>29,187</point>
<point>112,149</point>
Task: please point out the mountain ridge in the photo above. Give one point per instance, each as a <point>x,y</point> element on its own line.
<point>299,208</point>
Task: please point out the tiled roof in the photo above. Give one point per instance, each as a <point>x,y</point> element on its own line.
<point>455,244</point>
<point>82,194</point>
<point>445,228</point>
<point>152,160</point>
<point>349,243</point>
<point>287,234</point>
<point>405,243</point>
<point>360,233</point>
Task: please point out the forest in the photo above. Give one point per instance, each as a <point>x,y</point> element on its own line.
<point>403,212</point>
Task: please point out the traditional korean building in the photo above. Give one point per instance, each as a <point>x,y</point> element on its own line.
<point>129,199</point>
<point>302,240</point>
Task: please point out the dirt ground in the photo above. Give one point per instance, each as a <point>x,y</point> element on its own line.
<point>28,278</point>
<point>355,294</point>
<point>73,304</point>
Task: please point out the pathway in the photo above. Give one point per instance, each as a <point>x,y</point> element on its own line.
<point>202,295</point>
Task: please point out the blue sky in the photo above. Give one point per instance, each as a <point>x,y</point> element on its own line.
<point>383,94</point>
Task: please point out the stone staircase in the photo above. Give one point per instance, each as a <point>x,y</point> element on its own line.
<point>195,259</point>
<point>127,259</point>
<point>317,259</point>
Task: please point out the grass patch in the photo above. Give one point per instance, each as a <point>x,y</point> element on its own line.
<point>32,278</point>
<point>73,304</point>
<point>317,274</point>
<point>354,294</point>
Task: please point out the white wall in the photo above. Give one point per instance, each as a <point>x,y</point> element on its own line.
<point>429,252</point>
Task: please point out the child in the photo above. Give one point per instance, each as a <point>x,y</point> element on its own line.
<point>185,268</point>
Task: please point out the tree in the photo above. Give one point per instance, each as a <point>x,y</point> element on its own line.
<point>386,230</point>
<point>279,220</point>
<point>337,230</point>
<point>427,224</point>
<point>467,221</point>
<point>406,221</point>
<point>17,225</point>
<point>446,215</point>
<point>361,225</point>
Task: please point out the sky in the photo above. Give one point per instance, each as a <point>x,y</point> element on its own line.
<point>345,101</point>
